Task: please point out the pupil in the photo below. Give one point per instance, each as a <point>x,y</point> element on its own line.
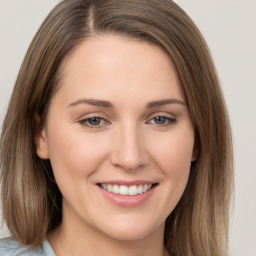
<point>160,120</point>
<point>94,121</point>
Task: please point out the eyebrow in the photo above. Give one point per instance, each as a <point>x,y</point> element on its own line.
<point>160,103</point>
<point>93,102</point>
<point>107,104</point>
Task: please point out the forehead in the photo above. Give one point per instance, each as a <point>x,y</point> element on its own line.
<point>101,65</point>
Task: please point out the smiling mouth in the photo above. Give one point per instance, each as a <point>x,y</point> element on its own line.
<point>127,190</point>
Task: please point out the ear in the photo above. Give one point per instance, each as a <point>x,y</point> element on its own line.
<point>40,138</point>
<point>194,155</point>
<point>195,149</point>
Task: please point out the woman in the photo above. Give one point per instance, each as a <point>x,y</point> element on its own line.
<point>116,140</point>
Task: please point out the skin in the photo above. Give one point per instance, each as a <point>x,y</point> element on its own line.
<point>127,143</point>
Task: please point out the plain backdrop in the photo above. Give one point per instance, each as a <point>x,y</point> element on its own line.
<point>229,27</point>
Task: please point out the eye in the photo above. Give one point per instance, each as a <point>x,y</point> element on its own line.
<point>93,122</point>
<point>162,120</point>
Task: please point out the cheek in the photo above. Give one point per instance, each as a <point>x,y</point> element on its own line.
<point>173,157</point>
<point>73,154</point>
<point>175,154</point>
<point>176,164</point>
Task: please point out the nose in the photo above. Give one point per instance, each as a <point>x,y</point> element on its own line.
<point>129,149</point>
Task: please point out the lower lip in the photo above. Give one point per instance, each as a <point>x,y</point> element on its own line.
<point>128,201</point>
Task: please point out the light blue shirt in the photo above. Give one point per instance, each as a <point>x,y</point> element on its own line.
<point>9,247</point>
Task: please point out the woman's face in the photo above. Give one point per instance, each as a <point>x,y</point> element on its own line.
<point>119,138</point>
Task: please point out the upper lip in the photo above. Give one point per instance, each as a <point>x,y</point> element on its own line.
<point>127,183</point>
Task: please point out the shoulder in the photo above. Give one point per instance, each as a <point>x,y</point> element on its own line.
<point>9,247</point>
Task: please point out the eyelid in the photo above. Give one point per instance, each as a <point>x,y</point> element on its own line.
<point>100,126</point>
<point>171,119</point>
<point>91,114</point>
<point>84,118</point>
<point>160,113</point>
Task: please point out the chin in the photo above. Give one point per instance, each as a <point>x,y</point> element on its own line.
<point>132,230</point>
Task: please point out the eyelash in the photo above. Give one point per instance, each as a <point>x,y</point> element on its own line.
<point>168,120</point>
<point>86,122</point>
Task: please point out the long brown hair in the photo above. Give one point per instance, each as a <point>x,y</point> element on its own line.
<point>31,200</point>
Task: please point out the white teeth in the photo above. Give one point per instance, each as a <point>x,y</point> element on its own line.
<point>125,190</point>
<point>133,191</point>
<point>140,190</point>
<point>115,189</point>
<point>109,188</point>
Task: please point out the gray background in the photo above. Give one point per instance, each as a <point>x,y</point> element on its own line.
<point>229,27</point>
